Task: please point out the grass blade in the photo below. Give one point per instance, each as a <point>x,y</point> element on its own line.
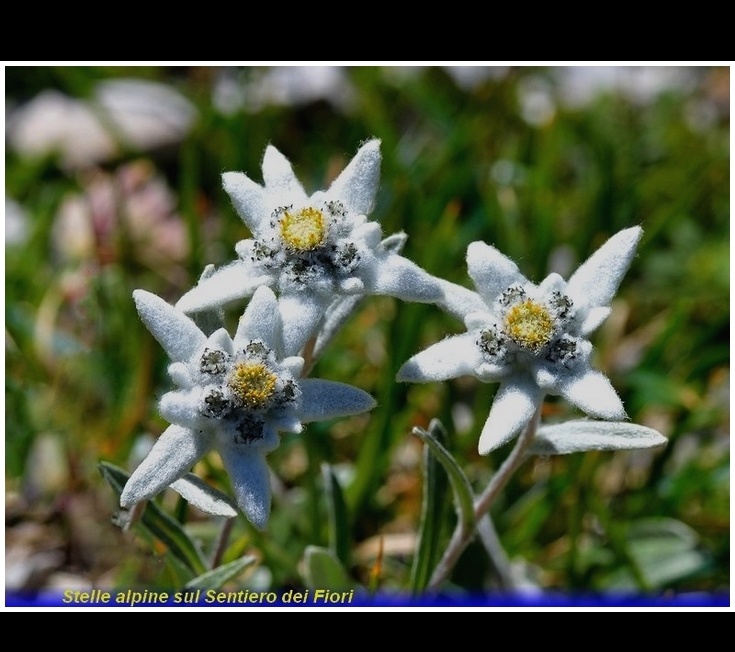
<point>322,570</point>
<point>435,491</point>
<point>463,495</point>
<point>339,528</point>
<point>218,577</point>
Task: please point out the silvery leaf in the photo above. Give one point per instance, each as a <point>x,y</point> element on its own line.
<point>586,435</point>
<point>203,496</point>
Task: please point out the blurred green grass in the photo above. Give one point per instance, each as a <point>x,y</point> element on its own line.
<point>459,164</point>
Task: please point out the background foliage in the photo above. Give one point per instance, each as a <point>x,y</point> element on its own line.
<point>544,163</point>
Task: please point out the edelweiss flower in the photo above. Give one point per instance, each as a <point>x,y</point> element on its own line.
<point>234,395</point>
<point>311,248</point>
<point>532,339</point>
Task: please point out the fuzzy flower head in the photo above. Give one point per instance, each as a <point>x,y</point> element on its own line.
<point>234,395</point>
<point>311,248</point>
<point>318,245</point>
<point>532,339</point>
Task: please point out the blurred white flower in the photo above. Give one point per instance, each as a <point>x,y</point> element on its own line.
<point>121,114</point>
<point>579,85</point>
<point>469,77</point>
<point>255,89</point>
<point>536,99</point>
<point>532,339</point>
<point>311,249</point>
<point>16,223</point>
<point>234,395</point>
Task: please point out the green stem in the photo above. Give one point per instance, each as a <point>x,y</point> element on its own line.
<point>494,548</point>
<point>221,543</point>
<point>461,539</point>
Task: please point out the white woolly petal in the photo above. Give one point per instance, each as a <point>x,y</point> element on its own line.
<point>488,372</point>
<point>356,186</point>
<point>300,318</point>
<point>229,283</point>
<point>182,408</point>
<point>592,392</point>
<point>175,332</point>
<point>244,248</point>
<point>512,409</point>
<point>173,454</point>
<point>594,319</point>
<point>458,301</point>
<point>552,283</point>
<point>546,378</point>
<point>280,181</point>
<point>287,423</point>
<point>358,220</point>
<point>369,233</point>
<point>550,375</point>
<point>395,276</point>
<point>207,271</point>
<point>454,356</point>
<point>260,321</point>
<point>395,242</point>
<point>180,374</point>
<point>326,399</point>
<point>221,340</point>
<point>250,479</point>
<point>478,320</point>
<point>250,199</point>
<point>351,285</point>
<point>596,281</point>
<point>293,364</point>
<point>491,271</point>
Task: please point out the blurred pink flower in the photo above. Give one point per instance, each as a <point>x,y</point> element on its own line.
<point>133,205</point>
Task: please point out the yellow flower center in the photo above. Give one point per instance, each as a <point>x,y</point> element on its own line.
<point>253,383</point>
<point>303,230</point>
<point>529,325</point>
